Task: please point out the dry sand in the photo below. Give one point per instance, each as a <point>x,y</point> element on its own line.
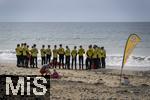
<point>101,84</point>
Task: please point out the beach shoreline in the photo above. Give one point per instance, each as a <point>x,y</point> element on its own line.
<point>91,84</point>
<point>117,67</point>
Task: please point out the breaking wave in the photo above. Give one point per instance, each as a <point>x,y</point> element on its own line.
<point>111,60</point>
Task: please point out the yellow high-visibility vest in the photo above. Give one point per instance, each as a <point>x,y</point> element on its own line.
<point>28,51</point>
<point>89,53</point>
<point>103,53</point>
<point>24,51</point>
<point>55,52</point>
<point>18,51</point>
<point>67,52</point>
<point>95,53</point>
<point>43,52</point>
<point>99,53</point>
<point>74,53</point>
<point>81,52</point>
<point>61,51</point>
<point>48,51</point>
<point>34,52</point>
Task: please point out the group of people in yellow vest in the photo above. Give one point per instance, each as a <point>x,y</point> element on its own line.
<point>95,56</point>
<point>25,55</point>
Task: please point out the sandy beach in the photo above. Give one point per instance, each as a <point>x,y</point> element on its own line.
<point>101,84</point>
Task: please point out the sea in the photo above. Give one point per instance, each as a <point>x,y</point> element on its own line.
<point>111,35</point>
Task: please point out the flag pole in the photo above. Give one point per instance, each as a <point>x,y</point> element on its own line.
<point>121,72</point>
<point>123,58</point>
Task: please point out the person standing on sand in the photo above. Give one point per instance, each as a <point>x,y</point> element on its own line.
<point>67,57</point>
<point>103,57</point>
<point>94,57</point>
<point>99,57</point>
<point>21,56</point>
<point>48,55</point>
<point>28,56</point>
<point>55,55</point>
<point>81,51</point>
<point>25,55</point>
<point>43,54</point>
<point>18,54</point>
<point>35,52</point>
<point>31,57</point>
<point>89,55</point>
<point>74,57</point>
<point>61,53</point>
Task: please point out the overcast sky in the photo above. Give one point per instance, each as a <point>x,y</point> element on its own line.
<point>74,10</point>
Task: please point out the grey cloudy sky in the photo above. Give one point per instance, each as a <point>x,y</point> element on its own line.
<point>74,10</point>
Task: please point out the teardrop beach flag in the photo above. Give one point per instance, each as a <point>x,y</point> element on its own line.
<point>131,43</point>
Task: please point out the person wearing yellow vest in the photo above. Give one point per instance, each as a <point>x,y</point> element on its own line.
<point>25,55</point>
<point>74,57</point>
<point>99,57</point>
<point>28,56</point>
<point>61,53</point>
<point>81,51</point>
<point>31,57</point>
<point>89,55</point>
<point>94,57</point>
<point>67,56</point>
<point>18,54</point>
<point>55,55</point>
<point>43,55</point>
<point>34,55</point>
<point>103,57</point>
<point>48,54</point>
<point>21,57</point>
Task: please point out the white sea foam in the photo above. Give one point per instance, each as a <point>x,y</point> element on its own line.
<point>111,60</point>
